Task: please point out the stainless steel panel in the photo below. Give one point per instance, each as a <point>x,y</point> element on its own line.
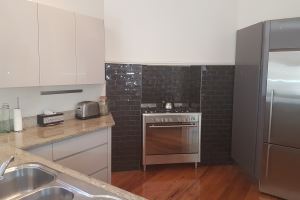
<point>283,99</point>
<point>171,139</point>
<point>171,117</point>
<point>285,34</point>
<point>281,175</point>
<point>246,96</point>
<point>173,158</point>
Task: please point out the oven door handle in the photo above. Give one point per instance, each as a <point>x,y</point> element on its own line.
<point>173,126</point>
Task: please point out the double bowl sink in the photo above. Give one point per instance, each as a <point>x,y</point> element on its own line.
<point>38,182</point>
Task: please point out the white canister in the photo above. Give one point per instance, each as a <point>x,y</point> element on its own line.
<point>18,122</point>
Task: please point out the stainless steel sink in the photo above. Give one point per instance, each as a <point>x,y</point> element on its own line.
<point>37,182</point>
<point>51,193</point>
<point>27,178</point>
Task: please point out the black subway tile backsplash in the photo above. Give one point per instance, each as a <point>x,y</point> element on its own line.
<point>124,90</point>
<point>216,108</point>
<point>128,86</point>
<point>166,83</point>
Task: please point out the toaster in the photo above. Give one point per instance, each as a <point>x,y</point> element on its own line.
<point>87,110</point>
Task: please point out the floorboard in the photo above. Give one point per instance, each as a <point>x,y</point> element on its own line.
<point>177,182</point>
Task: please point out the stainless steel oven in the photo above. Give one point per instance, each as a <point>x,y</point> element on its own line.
<point>171,138</point>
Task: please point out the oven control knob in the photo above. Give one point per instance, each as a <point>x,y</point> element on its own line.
<point>170,120</point>
<point>165,119</point>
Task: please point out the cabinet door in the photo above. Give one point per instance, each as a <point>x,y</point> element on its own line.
<point>78,144</point>
<point>43,151</point>
<point>101,175</point>
<point>90,50</point>
<point>56,46</point>
<point>87,162</point>
<point>19,61</point>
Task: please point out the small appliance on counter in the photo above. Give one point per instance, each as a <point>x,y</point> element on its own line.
<point>87,110</point>
<point>50,119</point>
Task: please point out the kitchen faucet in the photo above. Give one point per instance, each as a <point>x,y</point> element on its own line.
<point>4,166</point>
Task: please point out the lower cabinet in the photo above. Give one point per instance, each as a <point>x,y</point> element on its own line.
<point>88,162</point>
<point>89,154</point>
<point>101,175</point>
<point>44,151</point>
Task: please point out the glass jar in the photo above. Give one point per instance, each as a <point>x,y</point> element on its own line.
<point>5,122</point>
<point>103,104</point>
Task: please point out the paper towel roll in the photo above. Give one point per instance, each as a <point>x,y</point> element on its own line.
<point>18,123</point>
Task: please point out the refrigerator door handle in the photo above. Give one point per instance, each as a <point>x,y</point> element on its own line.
<point>267,160</point>
<point>270,115</point>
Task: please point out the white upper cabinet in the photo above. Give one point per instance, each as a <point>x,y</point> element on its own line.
<point>42,45</point>
<point>19,61</point>
<point>57,46</point>
<point>90,50</point>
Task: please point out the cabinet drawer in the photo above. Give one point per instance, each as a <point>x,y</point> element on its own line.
<point>43,151</point>
<point>78,144</point>
<point>101,175</point>
<point>87,162</point>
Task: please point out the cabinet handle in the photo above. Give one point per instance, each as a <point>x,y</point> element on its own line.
<point>270,115</point>
<point>267,160</point>
<point>172,126</point>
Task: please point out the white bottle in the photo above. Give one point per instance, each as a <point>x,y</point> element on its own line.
<point>18,122</point>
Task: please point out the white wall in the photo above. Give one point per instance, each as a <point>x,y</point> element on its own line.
<point>32,102</point>
<point>170,31</point>
<point>92,8</point>
<point>253,11</point>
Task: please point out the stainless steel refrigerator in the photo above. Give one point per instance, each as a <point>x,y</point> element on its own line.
<point>266,114</point>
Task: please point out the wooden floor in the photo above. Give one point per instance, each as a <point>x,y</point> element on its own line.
<point>184,182</point>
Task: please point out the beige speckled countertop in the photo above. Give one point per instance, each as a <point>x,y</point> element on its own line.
<point>16,143</point>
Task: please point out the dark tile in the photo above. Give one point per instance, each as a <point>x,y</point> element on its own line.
<point>216,108</point>
<point>211,91</point>
<point>124,91</point>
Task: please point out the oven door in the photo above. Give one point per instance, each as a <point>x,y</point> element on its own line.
<point>172,138</point>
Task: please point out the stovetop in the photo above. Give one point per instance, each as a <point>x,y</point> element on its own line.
<point>180,109</point>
